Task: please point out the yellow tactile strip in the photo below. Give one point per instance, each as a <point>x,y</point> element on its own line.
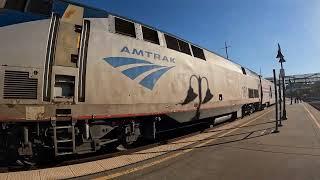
<point>112,163</point>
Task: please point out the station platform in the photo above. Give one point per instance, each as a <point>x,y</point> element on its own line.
<point>243,149</point>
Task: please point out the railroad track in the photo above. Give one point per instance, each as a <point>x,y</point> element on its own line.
<point>164,138</point>
<point>76,159</point>
<point>315,104</point>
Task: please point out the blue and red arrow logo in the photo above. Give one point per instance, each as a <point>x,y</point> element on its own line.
<point>141,67</point>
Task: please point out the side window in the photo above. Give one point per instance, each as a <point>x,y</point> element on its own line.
<point>184,47</point>
<point>125,27</point>
<point>176,44</point>
<point>16,4</point>
<point>243,71</point>
<point>250,91</point>
<point>198,52</point>
<point>270,92</point>
<point>172,43</point>
<point>39,7</point>
<point>256,93</point>
<point>150,35</point>
<point>32,6</point>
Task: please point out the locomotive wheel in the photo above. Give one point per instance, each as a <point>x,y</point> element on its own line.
<point>205,126</point>
<point>130,134</point>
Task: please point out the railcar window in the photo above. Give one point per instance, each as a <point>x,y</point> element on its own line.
<point>256,93</point>
<point>16,4</point>
<point>198,52</point>
<point>150,35</point>
<point>125,27</point>
<point>251,94</point>
<point>184,47</point>
<point>172,43</point>
<point>243,71</point>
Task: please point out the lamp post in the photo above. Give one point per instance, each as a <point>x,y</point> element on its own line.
<point>276,98</point>
<point>282,74</point>
<point>290,84</point>
<point>280,100</point>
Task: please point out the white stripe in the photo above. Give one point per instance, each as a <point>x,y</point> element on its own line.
<point>312,117</point>
<point>118,174</point>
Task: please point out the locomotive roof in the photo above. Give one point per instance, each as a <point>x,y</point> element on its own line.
<point>252,73</point>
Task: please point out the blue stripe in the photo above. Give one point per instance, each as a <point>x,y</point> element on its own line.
<point>121,61</point>
<point>10,17</point>
<point>134,72</point>
<point>92,13</point>
<point>60,7</point>
<point>152,78</point>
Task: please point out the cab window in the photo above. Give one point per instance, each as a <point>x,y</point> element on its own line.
<point>125,27</point>
<point>42,7</point>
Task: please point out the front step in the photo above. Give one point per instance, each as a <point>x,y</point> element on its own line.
<point>64,140</point>
<point>62,145</point>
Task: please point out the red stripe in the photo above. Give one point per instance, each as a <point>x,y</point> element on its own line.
<point>128,115</point>
<point>108,116</point>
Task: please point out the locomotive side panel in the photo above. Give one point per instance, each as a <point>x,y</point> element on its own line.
<point>22,63</point>
<point>272,92</point>
<point>130,93</point>
<point>268,92</point>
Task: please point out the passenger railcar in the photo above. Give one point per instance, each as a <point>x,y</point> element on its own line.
<point>268,92</point>
<point>75,79</point>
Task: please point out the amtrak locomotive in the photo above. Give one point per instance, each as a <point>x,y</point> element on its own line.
<point>75,79</point>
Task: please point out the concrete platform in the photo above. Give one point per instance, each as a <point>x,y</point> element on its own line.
<point>249,152</point>
<point>243,149</point>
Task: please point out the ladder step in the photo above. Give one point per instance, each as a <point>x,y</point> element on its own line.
<point>64,147</point>
<point>63,127</point>
<point>84,151</point>
<point>63,115</point>
<point>64,153</point>
<point>60,138</point>
<point>64,140</point>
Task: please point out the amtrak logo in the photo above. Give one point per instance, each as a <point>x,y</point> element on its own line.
<point>153,71</point>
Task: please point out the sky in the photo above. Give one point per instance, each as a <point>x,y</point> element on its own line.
<point>251,27</point>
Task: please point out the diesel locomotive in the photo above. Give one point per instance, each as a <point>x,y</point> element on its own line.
<point>75,79</point>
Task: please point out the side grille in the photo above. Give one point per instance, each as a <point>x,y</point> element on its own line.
<point>18,85</point>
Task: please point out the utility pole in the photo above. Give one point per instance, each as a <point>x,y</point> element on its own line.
<point>226,49</point>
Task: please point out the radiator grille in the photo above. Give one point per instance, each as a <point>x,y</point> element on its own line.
<point>18,85</point>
